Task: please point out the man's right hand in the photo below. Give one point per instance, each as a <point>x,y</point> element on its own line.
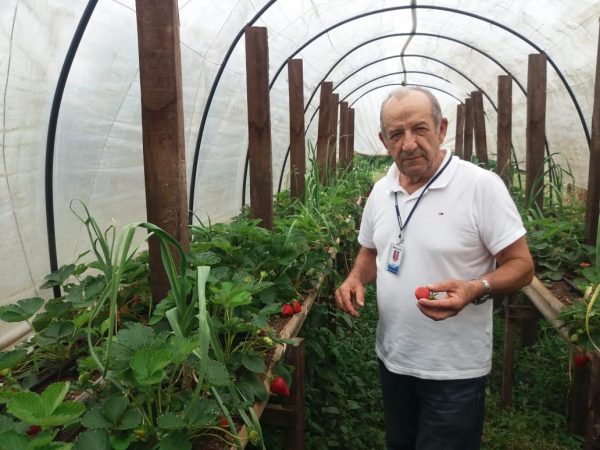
<point>350,295</point>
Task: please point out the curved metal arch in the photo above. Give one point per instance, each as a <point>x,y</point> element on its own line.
<point>472,47</point>
<point>379,11</point>
<point>455,11</point>
<point>209,100</point>
<point>402,84</point>
<point>416,55</point>
<point>51,138</point>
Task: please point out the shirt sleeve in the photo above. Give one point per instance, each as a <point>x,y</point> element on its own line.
<point>498,218</point>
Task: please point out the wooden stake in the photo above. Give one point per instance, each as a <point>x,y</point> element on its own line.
<point>479,127</point>
<point>350,148</point>
<point>536,127</point>
<point>333,133</point>
<point>460,130</point>
<point>297,143</point>
<point>468,142</point>
<point>343,142</point>
<point>593,191</point>
<point>259,125</point>
<point>324,130</point>
<point>504,127</point>
<point>162,128</point>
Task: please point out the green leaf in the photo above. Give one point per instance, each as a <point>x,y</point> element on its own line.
<point>204,259</point>
<point>131,419</point>
<point>175,441</point>
<point>95,419</point>
<point>148,364</point>
<point>181,347</point>
<point>11,440</point>
<point>57,307</point>
<point>216,373</point>
<point>119,443</point>
<point>113,408</point>
<point>57,278</point>
<point>93,440</point>
<point>22,310</point>
<point>170,421</point>
<point>12,358</point>
<point>200,411</point>
<point>254,362</point>
<point>47,409</point>
<point>56,331</point>
<point>251,387</point>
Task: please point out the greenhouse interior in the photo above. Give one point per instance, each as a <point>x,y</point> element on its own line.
<point>200,242</point>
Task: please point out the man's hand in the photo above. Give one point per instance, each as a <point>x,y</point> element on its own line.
<point>349,295</point>
<point>458,294</point>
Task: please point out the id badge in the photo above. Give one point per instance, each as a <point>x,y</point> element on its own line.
<point>395,257</point>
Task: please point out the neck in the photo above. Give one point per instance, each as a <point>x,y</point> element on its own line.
<point>411,184</point>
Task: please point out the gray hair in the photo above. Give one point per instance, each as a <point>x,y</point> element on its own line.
<point>401,92</point>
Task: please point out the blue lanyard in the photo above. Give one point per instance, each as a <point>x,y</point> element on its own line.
<point>400,224</point>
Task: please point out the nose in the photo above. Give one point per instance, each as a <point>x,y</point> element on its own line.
<point>409,142</point>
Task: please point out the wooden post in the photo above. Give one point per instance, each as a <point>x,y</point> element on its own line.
<point>592,208</point>
<point>324,129</point>
<point>592,437</point>
<point>291,414</point>
<point>259,125</point>
<point>536,127</point>
<point>578,414</point>
<point>508,356</point>
<point>479,127</point>
<point>460,130</point>
<point>350,148</point>
<point>297,144</point>
<point>162,128</point>
<point>343,142</point>
<point>468,142</point>
<point>504,128</point>
<point>333,133</point>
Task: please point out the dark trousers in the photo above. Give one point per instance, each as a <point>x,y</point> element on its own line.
<point>432,414</point>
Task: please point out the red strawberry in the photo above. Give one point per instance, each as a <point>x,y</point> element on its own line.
<point>287,310</point>
<point>223,423</point>
<point>34,430</point>
<point>423,292</point>
<point>581,360</point>
<point>296,307</point>
<point>280,387</point>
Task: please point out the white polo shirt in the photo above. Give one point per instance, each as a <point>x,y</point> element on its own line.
<point>464,218</point>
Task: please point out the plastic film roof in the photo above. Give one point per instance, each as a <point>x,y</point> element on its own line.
<point>364,47</point>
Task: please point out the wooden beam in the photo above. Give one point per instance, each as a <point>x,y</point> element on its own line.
<point>460,130</point>
<point>333,133</point>
<point>536,127</point>
<point>593,189</point>
<point>350,148</point>
<point>259,125</point>
<point>162,129</point>
<point>468,141</point>
<point>297,143</point>
<point>324,130</point>
<point>343,141</point>
<point>504,136</point>
<point>479,127</point>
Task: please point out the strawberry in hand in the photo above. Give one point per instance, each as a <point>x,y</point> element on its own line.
<point>424,292</point>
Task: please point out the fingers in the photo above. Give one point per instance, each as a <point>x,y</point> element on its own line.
<point>349,294</point>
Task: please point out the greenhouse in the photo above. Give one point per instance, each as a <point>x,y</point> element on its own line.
<point>205,212</point>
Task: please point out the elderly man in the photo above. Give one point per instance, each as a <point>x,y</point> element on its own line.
<point>451,226</point>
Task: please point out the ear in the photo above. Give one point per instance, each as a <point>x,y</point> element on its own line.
<point>443,129</point>
<point>382,139</point>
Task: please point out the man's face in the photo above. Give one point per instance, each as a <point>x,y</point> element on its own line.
<point>410,135</point>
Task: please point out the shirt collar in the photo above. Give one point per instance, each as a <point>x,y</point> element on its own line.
<point>393,175</point>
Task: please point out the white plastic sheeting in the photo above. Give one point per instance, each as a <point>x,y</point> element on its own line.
<point>457,47</point>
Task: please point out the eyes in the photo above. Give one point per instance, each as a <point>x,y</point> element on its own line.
<point>419,130</point>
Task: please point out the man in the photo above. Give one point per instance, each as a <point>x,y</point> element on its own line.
<point>440,222</point>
